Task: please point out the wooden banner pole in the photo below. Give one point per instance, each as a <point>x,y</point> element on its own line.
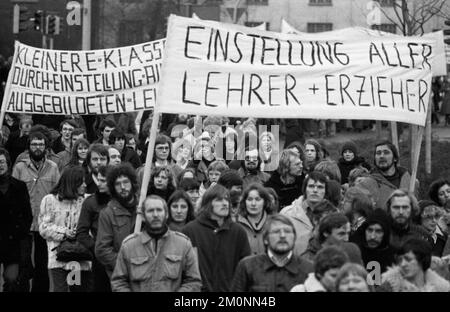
<point>416,155</point>
<point>394,135</point>
<point>147,168</point>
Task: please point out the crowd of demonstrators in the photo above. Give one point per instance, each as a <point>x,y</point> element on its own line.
<point>226,209</point>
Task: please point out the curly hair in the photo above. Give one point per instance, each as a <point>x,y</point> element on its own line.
<point>126,170</point>
<point>434,190</point>
<point>74,158</point>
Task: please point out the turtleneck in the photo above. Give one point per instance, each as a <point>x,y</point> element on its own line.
<point>156,234</point>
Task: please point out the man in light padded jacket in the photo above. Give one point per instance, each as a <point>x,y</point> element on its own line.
<point>156,259</point>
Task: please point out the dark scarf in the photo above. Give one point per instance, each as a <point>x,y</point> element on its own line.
<point>156,234</point>
<point>130,206</point>
<point>4,183</point>
<point>102,198</point>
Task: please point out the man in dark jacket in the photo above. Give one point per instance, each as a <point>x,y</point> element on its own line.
<point>88,226</point>
<point>18,140</point>
<point>277,270</point>
<point>372,238</point>
<point>64,141</point>
<point>400,207</point>
<point>220,243</point>
<point>117,220</point>
<point>15,222</point>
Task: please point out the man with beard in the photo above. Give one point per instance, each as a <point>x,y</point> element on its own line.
<point>400,210</point>
<point>387,173</point>
<point>277,270</point>
<point>156,259</point>
<point>233,182</point>
<point>250,172</point>
<point>88,227</point>
<point>117,220</point>
<point>40,175</point>
<point>97,156</point>
<point>372,239</point>
<point>15,221</point>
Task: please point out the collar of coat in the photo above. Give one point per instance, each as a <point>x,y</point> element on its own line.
<point>206,220</point>
<point>312,284</point>
<point>246,222</point>
<point>433,282</point>
<point>292,266</point>
<point>145,238</point>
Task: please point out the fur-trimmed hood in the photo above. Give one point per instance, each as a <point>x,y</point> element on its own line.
<point>433,282</point>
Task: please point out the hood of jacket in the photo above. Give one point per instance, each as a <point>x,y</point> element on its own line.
<point>378,216</point>
<point>205,219</point>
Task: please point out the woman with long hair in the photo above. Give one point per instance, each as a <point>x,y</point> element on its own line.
<point>162,182</point>
<point>58,220</point>
<point>79,152</point>
<point>254,208</point>
<point>181,210</point>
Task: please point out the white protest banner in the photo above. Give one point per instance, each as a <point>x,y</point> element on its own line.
<point>439,67</point>
<point>83,82</point>
<point>212,69</point>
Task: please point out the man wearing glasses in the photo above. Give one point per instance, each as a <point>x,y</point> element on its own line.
<point>40,175</point>
<point>277,270</point>
<point>64,141</point>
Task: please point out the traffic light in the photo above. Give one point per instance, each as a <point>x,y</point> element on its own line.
<point>447,32</point>
<point>50,25</point>
<point>20,18</point>
<point>38,20</point>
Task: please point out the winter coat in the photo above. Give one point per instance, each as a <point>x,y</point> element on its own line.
<point>56,217</point>
<point>219,249</point>
<point>400,235</point>
<point>254,235</point>
<point>15,220</point>
<point>384,254</point>
<point>259,274</point>
<point>287,193</point>
<point>173,266</point>
<point>351,249</point>
<point>312,284</point>
<point>88,223</point>
<point>115,222</point>
<point>385,188</point>
<point>248,177</point>
<point>393,281</point>
<point>39,183</point>
<point>16,144</point>
<point>346,166</point>
<point>302,224</point>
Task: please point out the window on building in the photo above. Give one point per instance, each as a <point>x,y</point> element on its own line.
<point>257,2</point>
<point>390,28</point>
<point>131,32</point>
<point>319,27</point>
<point>386,3</point>
<point>320,2</point>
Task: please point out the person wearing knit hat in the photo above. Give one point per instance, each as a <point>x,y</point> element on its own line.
<point>428,217</point>
<point>372,238</point>
<point>350,160</point>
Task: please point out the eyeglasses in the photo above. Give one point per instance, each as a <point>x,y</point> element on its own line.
<point>37,144</point>
<point>162,148</point>
<point>248,158</point>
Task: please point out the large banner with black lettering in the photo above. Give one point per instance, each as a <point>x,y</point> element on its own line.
<point>107,81</point>
<point>212,69</point>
